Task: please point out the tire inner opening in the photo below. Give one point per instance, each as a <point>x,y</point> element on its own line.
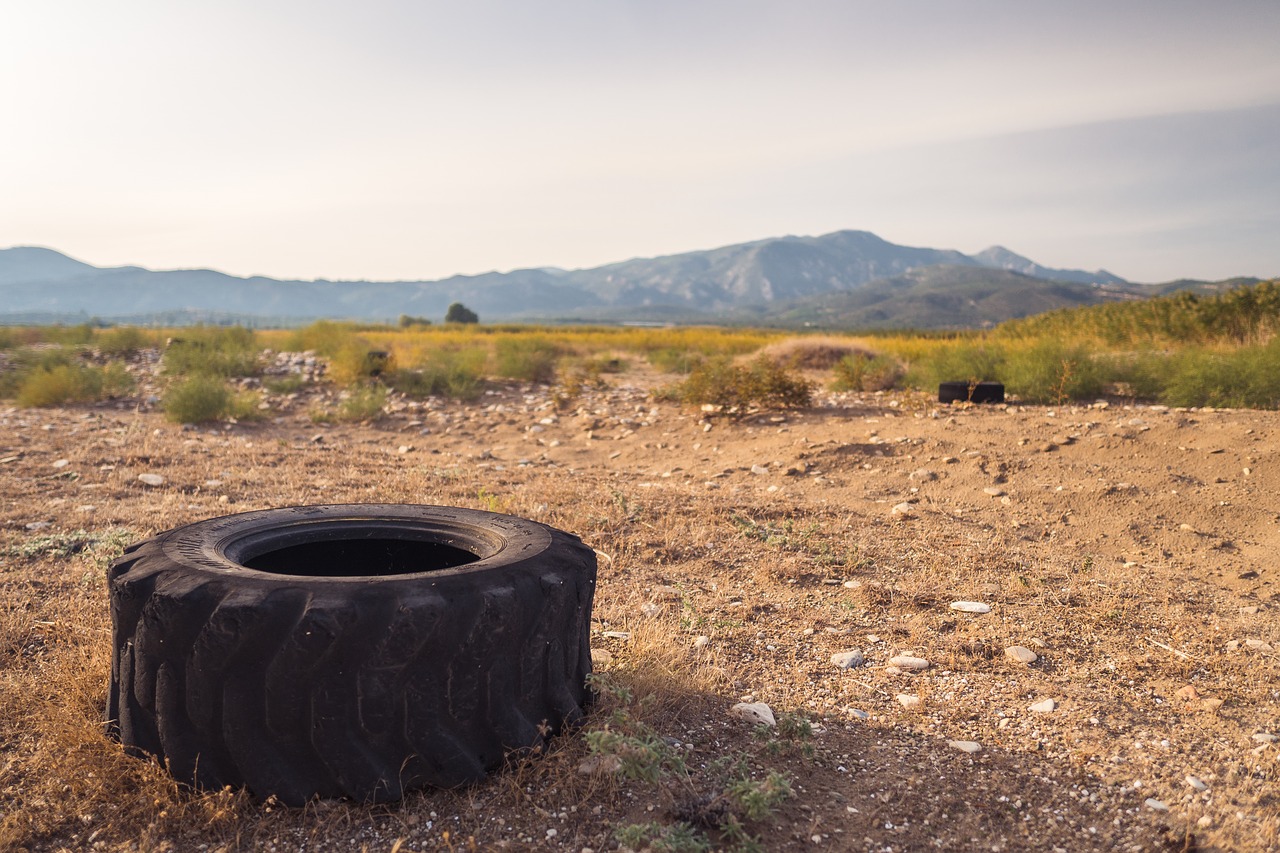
<point>360,557</point>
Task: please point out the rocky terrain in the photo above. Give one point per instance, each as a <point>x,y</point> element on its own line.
<point>1007,627</point>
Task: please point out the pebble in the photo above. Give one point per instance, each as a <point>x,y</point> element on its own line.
<point>404,448</point>
<point>1043,707</point>
<point>754,712</point>
<point>1197,783</point>
<point>701,642</point>
<point>39,525</point>
<point>62,463</point>
<point>759,469</point>
<point>848,660</point>
<point>1187,693</point>
<point>1021,654</point>
<point>151,479</point>
<point>1258,645</point>
<point>907,662</point>
<point>971,606</point>
<point>969,746</point>
<point>993,491</point>
<point>906,700</point>
<point>854,712</point>
<point>650,609</point>
<point>1156,805</point>
<point>601,657</point>
<point>902,510</point>
<point>1211,704</point>
<point>924,475</point>
<point>1264,737</point>
<point>616,635</point>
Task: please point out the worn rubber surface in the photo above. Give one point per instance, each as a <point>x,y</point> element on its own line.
<point>369,649</point>
<point>973,392</point>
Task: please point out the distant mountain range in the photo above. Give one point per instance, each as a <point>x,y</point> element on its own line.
<point>848,279</point>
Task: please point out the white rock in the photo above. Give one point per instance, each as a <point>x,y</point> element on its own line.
<point>759,469</point>
<point>848,660</point>
<point>616,635</point>
<point>62,463</point>
<point>924,475</point>
<point>993,491</point>
<point>650,609</point>
<point>151,479</point>
<point>902,510</point>
<point>1264,737</point>
<point>1153,803</point>
<point>1021,654</point>
<point>854,712</point>
<point>907,662</point>
<point>1258,645</point>
<point>971,606</point>
<point>701,642</point>
<point>39,525</point>
<point>404,448</point>
<point>906,700</point>
<point>969,746</point>
<point>1043,707</point>
<point>1197,783</point>
<point>754,712</point>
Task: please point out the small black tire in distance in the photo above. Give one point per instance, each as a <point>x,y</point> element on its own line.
<point>971,392</point>
<point>348,650</point>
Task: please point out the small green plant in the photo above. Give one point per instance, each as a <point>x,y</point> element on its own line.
<point>122,341</point>
<point>198,400</point>
<point>662,838</point>
<point>363,404</point>
<point>446,373</point>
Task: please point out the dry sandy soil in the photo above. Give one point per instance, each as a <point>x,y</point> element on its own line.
<point>1133,549</point>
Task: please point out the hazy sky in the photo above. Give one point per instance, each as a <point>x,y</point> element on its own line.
<point>416,139</point>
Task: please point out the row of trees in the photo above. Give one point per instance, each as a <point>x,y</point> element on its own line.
<point>457,313</point>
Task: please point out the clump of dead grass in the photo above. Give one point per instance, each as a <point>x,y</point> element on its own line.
<point>813,353</point>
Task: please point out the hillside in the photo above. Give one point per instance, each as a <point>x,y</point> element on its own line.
<point>747,280</point>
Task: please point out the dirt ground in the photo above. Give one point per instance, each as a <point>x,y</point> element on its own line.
<point>1131,549</point>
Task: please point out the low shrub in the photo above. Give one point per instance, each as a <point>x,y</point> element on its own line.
<point>197,400</point>
<point>288,384</point>
<point>526,359</point>
<point>212,351</point>
<point>72,383</point>
<point>362,404</point>
<point>861,371</point>
<point>1051,372</point>
<point>1247,377</point>
<point>444,373</point>
<point>122,341</point>
<point>761,383</point>
<point>815,353</point>
<point>670,360</point>
<point>958,361</point>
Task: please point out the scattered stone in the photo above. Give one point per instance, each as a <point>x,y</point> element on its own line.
<point>1197,783</point>
<point>1258,645</point>
<point>1048,447</point>
<point>1043,707</point>
<point>993,491</point>
<point>853,584</point>
<point>971,607</point>
<point>318,438</point>
<point>701,642</point>
<point>1249,610</point>
<point>908,663</point>
<point>754,712</point>
<point>404,448</point>
<point>902,510</point>
<point>1211,705</point>
<point>949,460</point>
<point>857,714</point>
<point>906,700</point>
<point>616,635</point>
<point>1155,805</point>
<point>39,525</point>
<point>759,469</point>
<point>1187,693</point>
<point>62,463</point>
<point>601,657</point>
<point>969,746</point>
<point>923,475</point>
<point>1021,654</point>
<point>1204,822</point>
<point>151,479</point>
<point>848,660</point>
<point>1264,737</point>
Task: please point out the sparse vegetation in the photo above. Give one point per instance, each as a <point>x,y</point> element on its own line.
<point>197,400</point>
<point>60,384</point>
<point>226,351</point>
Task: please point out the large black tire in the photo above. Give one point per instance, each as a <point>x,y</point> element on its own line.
<point>972,392</point>
<point>354,651</point>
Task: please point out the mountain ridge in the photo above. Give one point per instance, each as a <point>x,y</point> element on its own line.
<point>743,279</point>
